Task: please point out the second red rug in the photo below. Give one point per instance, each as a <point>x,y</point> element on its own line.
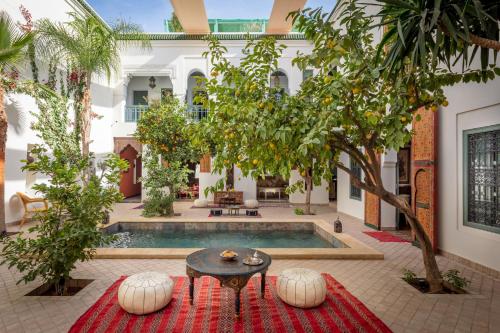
<point>385,237</point>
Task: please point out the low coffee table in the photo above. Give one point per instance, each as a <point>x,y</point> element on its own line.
<point>232,274</point>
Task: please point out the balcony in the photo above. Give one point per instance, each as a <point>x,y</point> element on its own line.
<point>133,112</point>
<point>196,112</point>
<point>193,112</point>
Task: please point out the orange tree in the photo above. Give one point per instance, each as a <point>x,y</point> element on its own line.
<point>364,112</point>
<point>259,128</point>
<point>163,129</point>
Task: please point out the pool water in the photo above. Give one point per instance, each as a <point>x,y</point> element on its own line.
<point>220,238</point>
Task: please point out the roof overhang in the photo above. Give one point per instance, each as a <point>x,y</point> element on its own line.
<point>192,16</point>
<point>278,22</point>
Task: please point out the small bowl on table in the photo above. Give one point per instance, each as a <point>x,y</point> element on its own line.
<point>228,255</point>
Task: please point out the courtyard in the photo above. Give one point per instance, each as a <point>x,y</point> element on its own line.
<point>234,166</point>
<point>376,283</point>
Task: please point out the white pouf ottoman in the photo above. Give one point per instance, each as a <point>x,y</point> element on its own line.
<point>251,203</point>
<point>201,203</point>
<point>146,292</point>
<point>301,287</point>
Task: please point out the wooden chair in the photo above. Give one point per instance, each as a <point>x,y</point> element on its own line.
<point>27,202</point>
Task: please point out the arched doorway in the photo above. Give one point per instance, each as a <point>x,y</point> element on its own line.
<point>129,182</point>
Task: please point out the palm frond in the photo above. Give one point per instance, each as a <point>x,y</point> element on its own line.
<point>13,41</point>
<point>440,30</point>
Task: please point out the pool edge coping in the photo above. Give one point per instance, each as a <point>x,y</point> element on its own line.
<point>356,249</point>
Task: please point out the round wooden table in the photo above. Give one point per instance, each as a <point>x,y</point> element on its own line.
<point>232,274</point>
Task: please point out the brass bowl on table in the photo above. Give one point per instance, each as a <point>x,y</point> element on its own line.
<point>228,255</point>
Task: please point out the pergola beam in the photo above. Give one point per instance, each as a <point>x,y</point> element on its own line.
<point>192,16</point>
<point>278,23</point>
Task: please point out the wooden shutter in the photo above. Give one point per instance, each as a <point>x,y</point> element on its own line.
<point>205,163</point>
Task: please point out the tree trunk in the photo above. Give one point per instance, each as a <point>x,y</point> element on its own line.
<point>308,182</point>
<point>485,42</point>
<point>86,117</point>
<point>3,141</point>
<point>477,40</point>
<point>433,275</point>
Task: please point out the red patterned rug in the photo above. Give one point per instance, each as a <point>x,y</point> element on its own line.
<point>213,311</point>
<point>385,237</point>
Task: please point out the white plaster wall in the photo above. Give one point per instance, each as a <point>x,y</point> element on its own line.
<point>471,106</point>
<point>142,83</point>
<point>246,184</point>
<point>345,204</point>
<point>19,107</point>
<point>209,179</point>
<point>319,194</point>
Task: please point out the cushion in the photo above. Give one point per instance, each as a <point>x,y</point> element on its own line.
<point>201,203</point>
<point>301,287</point>
<point>251,203</point>
<point>146,292</point>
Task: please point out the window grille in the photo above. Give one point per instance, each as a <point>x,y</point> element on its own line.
<point>354,191</point>
<point>482,178</point>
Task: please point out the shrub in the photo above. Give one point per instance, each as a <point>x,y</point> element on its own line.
<point>453,277</point>
<point>161,183</point>
<point>164,130</point>
<point>298,211</point>
<point>67,232</point>
<point>409,276</point>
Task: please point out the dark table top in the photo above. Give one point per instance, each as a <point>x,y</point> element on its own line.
<point>208,261</point>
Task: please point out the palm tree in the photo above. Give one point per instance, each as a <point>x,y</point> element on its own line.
<point>14,42</point>
<point>443,29</point>
<point>91,48</point>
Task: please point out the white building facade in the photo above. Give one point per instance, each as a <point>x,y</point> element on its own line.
<point>175,59</point>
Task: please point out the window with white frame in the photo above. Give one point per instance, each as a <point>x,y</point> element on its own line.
<point>354,191</point>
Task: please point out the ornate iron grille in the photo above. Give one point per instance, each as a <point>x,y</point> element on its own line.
<point>355,192</point>
<point>483,183</point>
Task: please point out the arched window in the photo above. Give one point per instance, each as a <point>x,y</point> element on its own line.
<point>279,80</point>
<point>194,88</point>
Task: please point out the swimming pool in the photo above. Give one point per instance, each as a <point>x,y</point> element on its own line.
<point>220,234</point>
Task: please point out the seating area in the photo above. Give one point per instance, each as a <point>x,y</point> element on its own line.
<point>376,286</point>
<point>31,206</point>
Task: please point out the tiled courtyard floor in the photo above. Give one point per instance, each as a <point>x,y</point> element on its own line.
<point>376,283</point>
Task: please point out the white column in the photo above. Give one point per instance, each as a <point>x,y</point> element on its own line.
<point>388,173</point>
<point>123,104</point>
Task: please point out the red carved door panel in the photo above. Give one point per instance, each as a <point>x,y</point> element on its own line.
<point>129,182</point>
<point>424,181</point>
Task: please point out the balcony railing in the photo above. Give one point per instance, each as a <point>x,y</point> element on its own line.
<point>133,112</point>
<point>196,112</point>
<point>193,112</point>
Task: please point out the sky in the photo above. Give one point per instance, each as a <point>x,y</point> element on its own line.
<point>151,13</point>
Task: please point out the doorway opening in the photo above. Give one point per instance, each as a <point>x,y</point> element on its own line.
<point>403,187</point>
<point>130,185</point>
<point>272,189</point>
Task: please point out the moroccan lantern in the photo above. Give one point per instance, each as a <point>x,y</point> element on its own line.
<point>337,225</point>
<point>152,82</point>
